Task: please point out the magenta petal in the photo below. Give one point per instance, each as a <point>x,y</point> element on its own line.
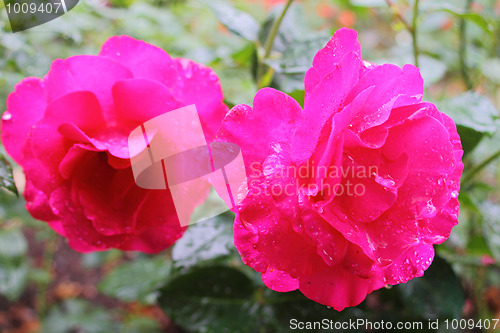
<point>142,59</point>
<point>72,159</point>
<point>86,73</point>
<point>25,107</point>
<point>406,158</point>
<point>37,203</point>
<point>393,87</point>
<point>95,182</point>
<point>200,86</point>
<point>85,111</point>
<point>48,148</point>
<point>325,100</point>
<point>338,288</point>
<point>139,100</point>
<point>279,280</point>
<point>411,263</point>
<point>344,41</point>
<point>187,81</point>
<point>271,120</point>
<point>267,239</point>
<point>81,234</point>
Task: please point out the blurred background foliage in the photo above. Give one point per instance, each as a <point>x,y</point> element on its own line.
<point>201,285</point>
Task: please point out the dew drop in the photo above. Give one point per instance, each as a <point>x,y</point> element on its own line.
<point>212,77</point>
<point>429,211</point>
<point>7,115</point>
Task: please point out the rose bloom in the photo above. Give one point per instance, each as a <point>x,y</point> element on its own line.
<point>69,132</point>
<point>307,230</point>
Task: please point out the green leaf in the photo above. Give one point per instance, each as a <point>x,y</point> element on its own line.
<point>211,299</point>
<point>474,114</point>
<point>293,50</point>
<point>438,294</point>
<point>205,241</point>
<point>13,266</point>
<point>13,244</point>
<point>491,69</point>
<point>238,22</point>
<point>298,58</point>
<point>77,315</point>
<point>469,138</point>
<point>13,278</point>
<point>224,299</point>
<point>472,110</point>
<point>6,177</point>
<point>237,84</point>
<point>491,227</point>
<point>475,18</point>
<point>299,96</point>
<point>96,259</point>
<point>137,280</point>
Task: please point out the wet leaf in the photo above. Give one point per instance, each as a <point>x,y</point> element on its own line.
<point>225,299</point>
<point>6,177</point>
<point>475,116</point>
<point>238,22</point>
<point>438,294</point>
<point>137,280</point>
<point>77,315</point>
<point>205,241</point>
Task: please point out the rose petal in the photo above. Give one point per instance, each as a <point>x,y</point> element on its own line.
<point>25,106</point>
<point>132,105</point>
<point>86,73</point>
<point>271,120</point>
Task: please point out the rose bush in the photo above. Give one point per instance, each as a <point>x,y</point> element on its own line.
<point>350,193</point>
<point>69,133</point>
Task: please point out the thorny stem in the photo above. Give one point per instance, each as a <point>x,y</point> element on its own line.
<point>268,46</point>
<point>463,49</point>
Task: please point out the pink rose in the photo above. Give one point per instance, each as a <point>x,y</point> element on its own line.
<point>69,133</point>
<point>350,193</point>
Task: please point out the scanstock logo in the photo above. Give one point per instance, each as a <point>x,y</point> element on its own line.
<point>26,14</point>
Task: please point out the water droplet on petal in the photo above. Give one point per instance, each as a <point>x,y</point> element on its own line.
<point>7,115</point>
<point>213,77</point>
<point>429,211</point>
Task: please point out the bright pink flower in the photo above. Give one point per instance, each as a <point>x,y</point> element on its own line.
<point>69,133</point>
<point>350,193</point>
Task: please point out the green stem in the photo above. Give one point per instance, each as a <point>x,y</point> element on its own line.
<point>268,46</point>
<point>482,308</point>
<point>412,28</point>
<point>478,168</point>
<point>398,15</point>
<point>463,49</point>
<point>414,31</point>
<point>48,259</point>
